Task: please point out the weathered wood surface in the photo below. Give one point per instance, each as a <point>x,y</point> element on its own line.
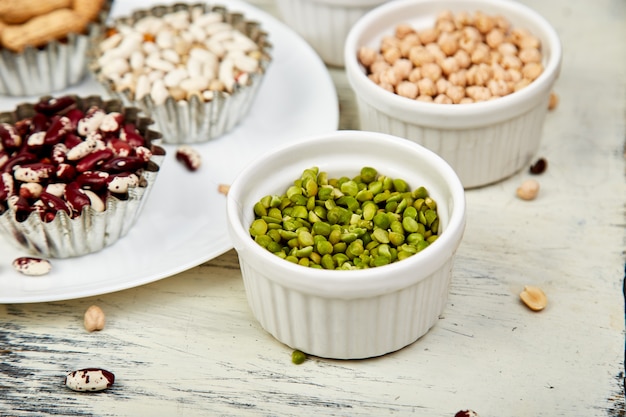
<point>188,345</point>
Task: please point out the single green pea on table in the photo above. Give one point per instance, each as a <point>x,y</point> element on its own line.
<point>346,223</point>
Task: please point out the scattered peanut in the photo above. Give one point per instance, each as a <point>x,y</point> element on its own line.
<point>94,319</point>
<point>481,55</point>
<point>534,298</point>
<point>528,190</point>
<point>223,189</point>
<point>554,101</point>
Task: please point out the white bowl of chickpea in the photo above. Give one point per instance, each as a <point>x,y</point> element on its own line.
<point>469,79</point>
<point>353,299</point>
<point>325,24</point>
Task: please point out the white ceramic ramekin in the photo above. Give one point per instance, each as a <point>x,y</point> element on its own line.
<point>484,142</point>
<point>324,24</point>
<point>347,314</point>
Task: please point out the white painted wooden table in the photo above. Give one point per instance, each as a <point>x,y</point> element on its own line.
<point>188,345</point>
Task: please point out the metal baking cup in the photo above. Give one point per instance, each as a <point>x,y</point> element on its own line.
<point>66,237</point>
<point>51,68</point>
<point>195,121</point>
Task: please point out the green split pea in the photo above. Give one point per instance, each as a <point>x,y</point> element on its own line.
<point>346,223</point>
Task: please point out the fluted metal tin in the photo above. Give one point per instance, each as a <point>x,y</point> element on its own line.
<point>195,120</point>
<point>91,231</point>
<point>54,67</point>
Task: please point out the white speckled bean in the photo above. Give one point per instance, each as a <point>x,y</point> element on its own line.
<point>36,138</point>
<point>120,183</point>
<point>96,202</point>
<point>89,379</point>
<point>32,266</point>
<point>82,149</point>
<point>56,189</point>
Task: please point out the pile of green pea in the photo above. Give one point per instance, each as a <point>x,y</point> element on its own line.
<point>346,223</point>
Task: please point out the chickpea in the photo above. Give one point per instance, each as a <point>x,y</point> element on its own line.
<point>495,57</point>
<point>415,75</point>
<point>502,22</point>
<point>445,26</point>
<point>403,30</point>
<point>528,190</point>
<point>478,93</point>
<point>450,65</point>
<point>507,48</point>
<point>523,83</point>
<point>511,62</point>
<point>445,15</point>
<point>442,85</point>
<point>427,87</point>
<point>407,43</point>
<point>467,44</point>
<point>419,55</point>
<point>470,32</point>
<point>407,89</point>
<point>456,93</point>
<point>432,71</point>
<point>516,74</point>
<point>389,42</point>
<point>458,78</point>
<point>387,87</point>
<point>436,51</point>
<point>367,56</point>
<point>494,38</point>
<point>443,99</point>
<point>448,43</point>
<point>428,35</point>
<point>481,53</point>
<point>389,76</point>
<point>463,19</point>
<point>484,23</point>
<point>499,73</point>
<point>463,59</point>
<point>402,67</point>
<point>532,70</point>
<point>391,55</point>
<point>528,55</point>
<point>379,66</point>
<point>499,87</point>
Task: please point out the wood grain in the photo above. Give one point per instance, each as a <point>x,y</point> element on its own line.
<point>189,346</point>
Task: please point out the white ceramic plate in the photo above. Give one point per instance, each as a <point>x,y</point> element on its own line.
<point>184,221</point>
